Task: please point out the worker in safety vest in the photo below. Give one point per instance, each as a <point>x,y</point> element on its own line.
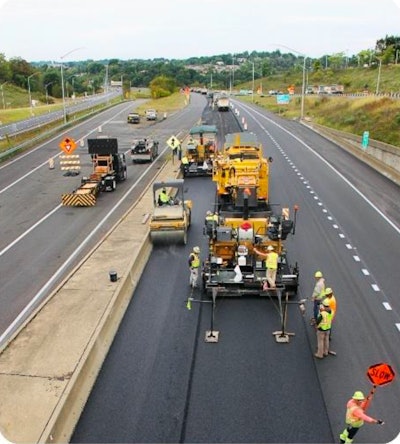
<point>271,263</point>
<point>163,198</point>
<point>184,164</point>
<point>355,416</point>
<point>194,265</point>
<point>332,305</point>
<point>318,294</point>
<point>211,223</point>
<point>323,324</point>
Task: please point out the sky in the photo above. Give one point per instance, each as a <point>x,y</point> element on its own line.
<point>44,30</point>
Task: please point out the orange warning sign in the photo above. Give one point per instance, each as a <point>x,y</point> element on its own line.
<point>380,374</point>
<point>68,145</point>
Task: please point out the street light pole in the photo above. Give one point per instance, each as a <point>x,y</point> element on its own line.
<point>29,91</point>
<point>303,91</point>
<point>303,88</point>
<point>379,77</point>
<point>47,92</point>
<point>62,82</point>
<point>252,91</point>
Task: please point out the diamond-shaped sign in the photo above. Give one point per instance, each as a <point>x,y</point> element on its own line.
<point>173,142</point>
<point>380,374</point>
<point>68,145</point>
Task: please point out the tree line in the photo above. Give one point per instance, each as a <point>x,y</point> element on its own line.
<point>165,75</point>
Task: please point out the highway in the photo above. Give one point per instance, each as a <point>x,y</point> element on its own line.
<point>41,240</point>
<point>161,382</point>
<point>71,106</point>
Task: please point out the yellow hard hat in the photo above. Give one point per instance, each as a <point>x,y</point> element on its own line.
<point>196,249</point>
<point>328,291</point>
<point>359,396</point>
<point>325,302</point>
<point>318,274</point>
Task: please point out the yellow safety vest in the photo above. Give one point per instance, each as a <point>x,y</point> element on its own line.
<point>351,419</point>
<point>272,260</point>
<point>195,261</point>
<point>326,321</point>
<point>164,198</point>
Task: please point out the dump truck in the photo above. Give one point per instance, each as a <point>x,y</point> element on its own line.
<point>109,168</point>
<point>200,151</point>
<point>222,103</point>
<point>244,225</point>
<point>171,218</point>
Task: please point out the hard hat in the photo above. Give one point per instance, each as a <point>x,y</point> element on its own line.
<point>359,396</point>
<point>208,213</point>
<point>328,291</point>
<point>196,249</point>
<point>325,302</point>
<point>318,274</point>
<point>270,248</point>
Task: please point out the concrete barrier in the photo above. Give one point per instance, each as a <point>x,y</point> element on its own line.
<point>48,370</point>
<point>383,157</point>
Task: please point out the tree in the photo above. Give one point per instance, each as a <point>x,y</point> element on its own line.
<point>162,86</point>
<point>5,69</point>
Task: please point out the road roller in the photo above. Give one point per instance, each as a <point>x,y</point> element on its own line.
<point>171,216</point>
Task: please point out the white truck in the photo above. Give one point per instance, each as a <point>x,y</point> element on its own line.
<point>151,114</point>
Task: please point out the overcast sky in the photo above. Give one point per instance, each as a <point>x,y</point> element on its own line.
<point>177,29</point>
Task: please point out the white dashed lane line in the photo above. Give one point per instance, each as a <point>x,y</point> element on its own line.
<point>330,218</point>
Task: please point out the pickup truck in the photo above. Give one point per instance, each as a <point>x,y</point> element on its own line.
<point>151,114</point>
<point>144,150</point>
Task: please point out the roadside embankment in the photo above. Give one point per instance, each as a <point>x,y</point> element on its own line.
<point>48,370</point>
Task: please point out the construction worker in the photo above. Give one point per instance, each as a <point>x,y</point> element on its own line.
<point>318,294</point>
<point>163,198</point>
<point>211,223</point>
<point>355,416</point>
<point>194,265</point>
<point>271,264</point>
<point>323,324</point>
<point>332,305</point>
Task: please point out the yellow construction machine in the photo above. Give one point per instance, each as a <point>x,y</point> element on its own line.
<point>244,228</point>
<point>200,151</point>
<point>171,216</point>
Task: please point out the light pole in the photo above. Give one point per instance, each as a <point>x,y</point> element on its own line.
<point>379,77</point>
<point>47,93</point>
<point>303,88</point>
<point>252,91</point>
<point>2,94</point>
<point>29,91</point>
<point>62,81</point>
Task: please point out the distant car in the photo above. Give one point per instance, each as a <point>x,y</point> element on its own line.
<point>133,118</point>
<point>151,114</point>
<point>144,150</point>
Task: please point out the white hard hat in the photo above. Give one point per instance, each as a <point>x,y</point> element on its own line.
<point>196,249</point>
<point>270,248</point>
<point>208,213</point>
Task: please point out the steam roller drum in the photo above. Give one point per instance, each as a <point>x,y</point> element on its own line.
<point>168,237</point>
